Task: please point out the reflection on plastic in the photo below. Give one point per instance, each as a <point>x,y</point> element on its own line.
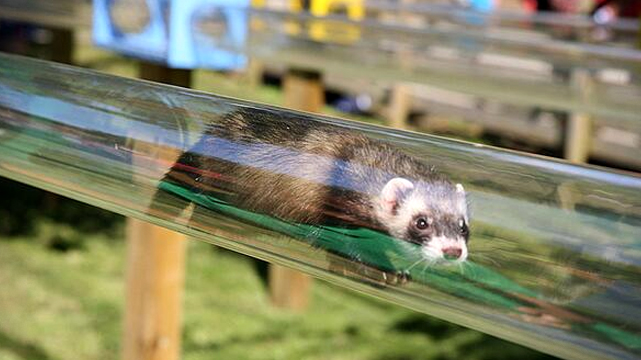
<point>554,250</point>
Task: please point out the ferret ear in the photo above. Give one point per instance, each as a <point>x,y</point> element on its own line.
<point>393,192</point>
<point>459,189</point>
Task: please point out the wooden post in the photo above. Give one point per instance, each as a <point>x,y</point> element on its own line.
<point>304,90</point>
<point>155,278</point>
<point>400,106</point>
<point>288,288</point>
<point>155,270</point>
<point>578,132</point>
<point>254,73</point>
<point>567,195</point>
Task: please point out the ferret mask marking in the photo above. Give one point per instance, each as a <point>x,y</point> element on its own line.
<point>402,203</point>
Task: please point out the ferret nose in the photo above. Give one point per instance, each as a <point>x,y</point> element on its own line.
<point>452,253</point>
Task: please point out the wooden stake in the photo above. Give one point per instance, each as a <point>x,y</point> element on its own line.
<point>304,90</point>
<point>155,268</point>
<point>254,73</point>
<point>289,289</point>
<point>400,106</point>
<point>579,126</point>
<point>155,279</point>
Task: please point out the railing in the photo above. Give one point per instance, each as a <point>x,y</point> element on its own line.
<point>521,71</point>
<point>554,253</point>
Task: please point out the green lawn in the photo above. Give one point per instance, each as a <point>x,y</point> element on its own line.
<point>68,305</point>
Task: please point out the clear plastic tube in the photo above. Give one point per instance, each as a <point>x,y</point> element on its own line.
<point>554,253</point>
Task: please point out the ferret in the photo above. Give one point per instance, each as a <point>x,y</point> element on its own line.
<point>302,171</point>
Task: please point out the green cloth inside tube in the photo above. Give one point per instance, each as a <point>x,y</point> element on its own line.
<point>472,281</point>
<point>378,250</point>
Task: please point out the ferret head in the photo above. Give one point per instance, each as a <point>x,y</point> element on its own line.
<point>431,214</point>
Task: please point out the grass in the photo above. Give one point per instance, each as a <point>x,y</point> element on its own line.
<point>68,305</point>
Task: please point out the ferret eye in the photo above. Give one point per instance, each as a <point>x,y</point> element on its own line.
<point>422,223</point>
<point>462,228</point>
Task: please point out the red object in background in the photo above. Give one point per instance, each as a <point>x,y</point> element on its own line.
<point>565,6</point>
<point>529,5</point>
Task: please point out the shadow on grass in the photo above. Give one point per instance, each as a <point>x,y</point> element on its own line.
<point>490,348</point>
<point>262,269</point>
<point>105,61</point>
<point>23,206</point>
<point>435,329</point>
<point>481,347</point>
<point>21,349</point>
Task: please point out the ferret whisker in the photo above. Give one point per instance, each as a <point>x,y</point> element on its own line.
<point>413,265</point>
<point>484,257</point>
<point>427,265</point>
<point>433,262</point>
<point>469,266</point>
<point>486,252</point>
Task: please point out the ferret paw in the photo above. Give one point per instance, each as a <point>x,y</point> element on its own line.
<point>404,277</point>
<point>397,278</point>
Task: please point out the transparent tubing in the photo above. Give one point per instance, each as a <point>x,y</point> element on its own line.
<point>554,252</point>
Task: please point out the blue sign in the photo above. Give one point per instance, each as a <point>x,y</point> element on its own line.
<point>183,34</point>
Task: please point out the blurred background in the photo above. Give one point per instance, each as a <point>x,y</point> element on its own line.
<point>62,262</point>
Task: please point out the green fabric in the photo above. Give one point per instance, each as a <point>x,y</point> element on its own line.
<point>472,282</point>
<point>378,250</point>
<point>630,341</point>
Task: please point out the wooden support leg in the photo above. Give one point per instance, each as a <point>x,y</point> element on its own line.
<point>578,132</point>
<point>254,73</point>
<point>155,278</point>
<point>304,90</point>
<point>577,142</point>
<point>400,106</point>
<point>289,289</point>
<point>155,270</point>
